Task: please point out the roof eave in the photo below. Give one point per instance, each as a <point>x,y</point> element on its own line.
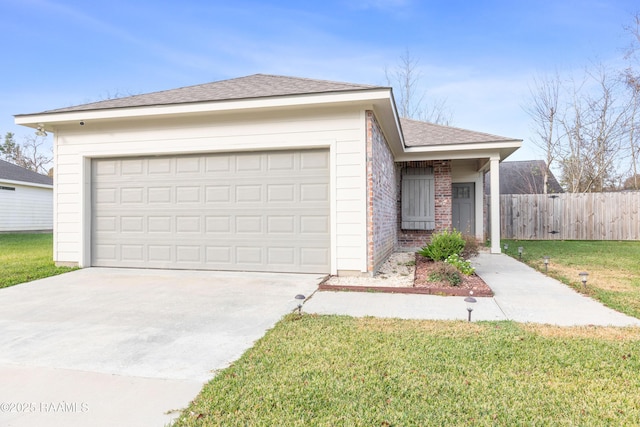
<point>26,183</point>
<point>503,149</point>
<point>51,119</point>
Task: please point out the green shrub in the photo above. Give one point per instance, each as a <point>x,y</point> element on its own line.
<point>471,246</point>
<point>445,272</point>
<point>461,264</point>
<point>443,245</point>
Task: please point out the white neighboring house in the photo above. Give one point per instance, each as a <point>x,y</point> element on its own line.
<point>26,199</point>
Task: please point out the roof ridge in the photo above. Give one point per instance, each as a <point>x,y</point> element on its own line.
<point>309,79</point>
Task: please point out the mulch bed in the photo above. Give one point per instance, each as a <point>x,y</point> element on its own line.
<point>425,267</point>
<point>421,284</point>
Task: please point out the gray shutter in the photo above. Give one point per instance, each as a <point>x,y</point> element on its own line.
<point>418,200</point>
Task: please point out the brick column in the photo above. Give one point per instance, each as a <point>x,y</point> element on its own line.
<point>442,176</point>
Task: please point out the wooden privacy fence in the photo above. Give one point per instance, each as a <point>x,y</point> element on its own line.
<point>571,216</point>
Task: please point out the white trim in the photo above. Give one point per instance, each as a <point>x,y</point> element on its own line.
<point>25,183</point>
<point>495,205</point>
<point>479,208</point>
<point>86,205</point>
<point>458,152</point>
<point>55,198</point>
<point>364,212</point>
<point>333,206</point>
<point>51,118</point>
<point>85,213</point>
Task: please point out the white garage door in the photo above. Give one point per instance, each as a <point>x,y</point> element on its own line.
<point>264,211</point>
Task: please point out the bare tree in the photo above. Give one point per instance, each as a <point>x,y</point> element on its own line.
<point>29,154</point>
<point>543,110</point>
<point>631,77</point>
<point>589,127</point>
<point>594,130</point>
<point>633,134</point>
<point>33,157</point>
<point>411,100</point>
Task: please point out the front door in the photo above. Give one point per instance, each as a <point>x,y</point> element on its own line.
<point>463,208</point>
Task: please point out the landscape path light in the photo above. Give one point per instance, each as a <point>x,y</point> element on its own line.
<point>583,278</point>
<point>470,300</point>
<point>546,263</point>
<point>300,299</point>
<point>506,246</point>
<point>520,249</point>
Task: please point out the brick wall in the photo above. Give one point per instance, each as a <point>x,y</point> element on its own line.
<point>443,216</point>
<point>381,197</point>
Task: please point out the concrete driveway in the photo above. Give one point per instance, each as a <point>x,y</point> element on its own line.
<point>127,347</point>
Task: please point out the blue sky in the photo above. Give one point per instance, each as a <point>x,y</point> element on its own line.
<point>480,56</point>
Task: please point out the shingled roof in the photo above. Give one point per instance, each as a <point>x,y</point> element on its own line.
<point>249,87</point>
<point>11,172</point>
<point>419,134</point>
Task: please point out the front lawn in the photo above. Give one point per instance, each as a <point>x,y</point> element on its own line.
<point>342,371</point>
<point>26,257</point>
<point>613,267</point>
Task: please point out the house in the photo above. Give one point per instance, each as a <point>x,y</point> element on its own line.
<point>525,177</point>
<point>260,173</point>
<point>26,199</point>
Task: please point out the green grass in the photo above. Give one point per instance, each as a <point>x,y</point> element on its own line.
<point>26,257</point>
<point>613,267</point>
<point>341,371</point>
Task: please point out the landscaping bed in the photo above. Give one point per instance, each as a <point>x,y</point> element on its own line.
<point>407,273</point>
<point>423,280</point>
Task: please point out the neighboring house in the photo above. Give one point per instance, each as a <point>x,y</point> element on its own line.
<point>260,173</point>
<point>524,177</point>
<point>26,199</point>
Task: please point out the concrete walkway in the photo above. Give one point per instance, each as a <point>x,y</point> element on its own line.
<point>521,294</point>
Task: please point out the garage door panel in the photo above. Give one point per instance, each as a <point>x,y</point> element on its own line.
<point>188,194</point>
<point>281,193</point>
<point>281,162</point>
<point>132,252</point>
<point>314,192</point>
<point>217,194</point>
<point>188,254</point>
<point>159,166</point>
<point>246,211</point>
<point>159,254</point>
<point>188,165</point>
<point>314,160</point>
<point>131,167</point>
<point>314,225</point>
<point>159,224</point>
<point>106,252</point>
<point>105,168</point>
<point>249,162</point>
<point>106,195</point>
<point>248,193</point>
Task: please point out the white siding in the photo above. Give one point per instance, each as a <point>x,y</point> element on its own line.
<point>26,209</point>
<point>341,130</point>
